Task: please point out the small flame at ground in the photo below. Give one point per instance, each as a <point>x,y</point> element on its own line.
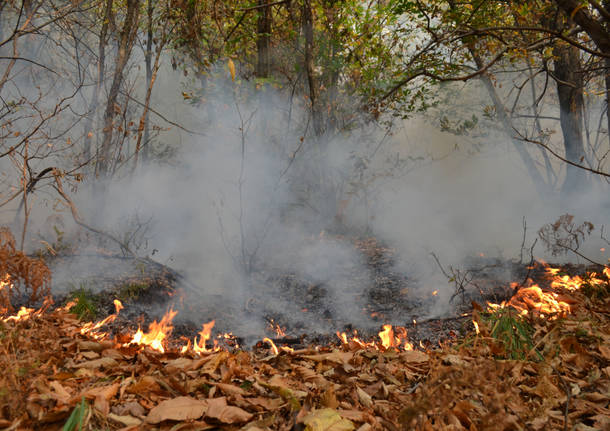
<point>273,346</point>
<point>157,333</point>
<point>390,337</point>
<point>22,314</point>
<point>90,328</point>
<point>204,335</point>
<point>281,332</point>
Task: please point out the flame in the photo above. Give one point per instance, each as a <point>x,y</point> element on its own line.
<point>22,314</point>
<point>204,335</point>
<point>387,336</point>
<point>273,346</point>
<point>391,337</point>
<point>281,332</point>
<point>89,327</point>
<point>435,293</point>
<point>476,327</point>
<point>157,333</point>
<point>534,299</point>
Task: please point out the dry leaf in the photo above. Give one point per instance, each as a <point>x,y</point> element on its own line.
<point>327,420</point>
<point>414,356</point>
<point>231,389</point>
<point>98,363</point>
<point>364,398</point>
<point>218,409</point>
<point>128,421</point>
<point>177,409</point>
<point>336,356</point>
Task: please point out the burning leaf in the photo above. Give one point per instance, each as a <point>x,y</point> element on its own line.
<point>327,420</point>
<point>218,409</point>
<point>177,409</point>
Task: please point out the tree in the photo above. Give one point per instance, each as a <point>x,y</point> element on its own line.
<point>460,41</point>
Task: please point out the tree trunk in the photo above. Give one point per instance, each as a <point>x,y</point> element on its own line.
<point>149,77</point>
<point>92,110</point>
<point>263,41</point>
<point>309,66</point>
<point>126,39</point>
<point>569,78</point>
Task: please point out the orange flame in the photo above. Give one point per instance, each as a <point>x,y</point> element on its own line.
<point>281,332</point>
<point>273,346</point>
<point>204,335</point>
<point>22,314</point>
<point>157,333</point>
<point>90,327</point>
<point>387,337</point>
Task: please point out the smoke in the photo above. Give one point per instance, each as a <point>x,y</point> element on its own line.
<point>257,197</point>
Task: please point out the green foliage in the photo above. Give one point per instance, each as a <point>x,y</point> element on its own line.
<point>77,418</point>
<point>86,307</point>
<point>513,331</point>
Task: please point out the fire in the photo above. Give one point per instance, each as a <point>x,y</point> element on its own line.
<point>387,336</point>
<point>534,299</point>
<point>390,337</point>
<point>435,293</point>
<point>281,332</point>
<point>90,327</point>
<point>204,335</point>
<point>273,346</point>
<point>22,314</point>
<point>157,333</point>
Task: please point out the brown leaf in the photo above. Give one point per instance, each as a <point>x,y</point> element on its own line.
<point>311,376</point>
<point>128,421</point>
<point>60,393</point>
<point>414,356</point>
<point>329,398</point>
<point>364,398</point>
<point>229,389</point>
<point>327,420</point>
<point>177,409</point>
<point>218,409</point>
<point>266,403</point>
<point>98,363</point>
<point>335,356</point>
<point>146,384</point>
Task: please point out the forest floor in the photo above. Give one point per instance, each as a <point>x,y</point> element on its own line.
<point>539,361</point>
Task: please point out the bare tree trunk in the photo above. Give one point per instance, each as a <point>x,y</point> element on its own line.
<point>149,78</point>
<point>92,110</point>
<point>263,41</point>
<point>143,126</point>
<point>126,39</point>
<point>309,66</point>
<point>569,78</point>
